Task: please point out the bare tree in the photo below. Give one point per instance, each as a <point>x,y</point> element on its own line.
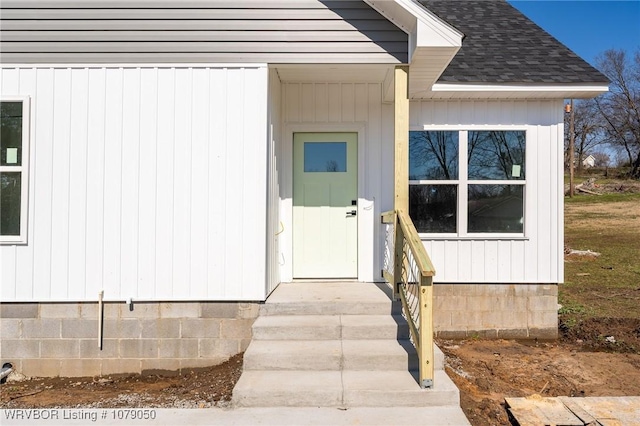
<point>620,108</point>
<point>602,159</point>
<point>437,152</point>
<point>588,131</point>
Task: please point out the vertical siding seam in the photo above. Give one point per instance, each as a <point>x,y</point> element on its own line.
<point>71,100</point>
<point>121,195</point>
<point>190,193</point>
<point>243,73</point>
<point>86,190</point>
<point>104,144</point>
<point>172,186</point>
<point>207,187</point>
<point>223,161</point>
<point>33,152</point>
<point>53,144</point>
<point>155,190</point>
<point>137,217</point>
<point>121,209</point>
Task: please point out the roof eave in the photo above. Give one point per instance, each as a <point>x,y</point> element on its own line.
<point>432,42</point>
<point>441,91</point>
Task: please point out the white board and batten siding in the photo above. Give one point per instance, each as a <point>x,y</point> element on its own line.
<point>342,107</point>
<point>274,153</point>
<point>536,258</point>
<point>146,182</point>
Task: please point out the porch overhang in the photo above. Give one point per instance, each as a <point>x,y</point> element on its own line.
<point>432,42</point>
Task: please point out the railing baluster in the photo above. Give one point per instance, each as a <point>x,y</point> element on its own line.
<point>399,248</point>
<point>413,283</point>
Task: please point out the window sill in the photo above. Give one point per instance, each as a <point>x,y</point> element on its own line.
<point>6,240</point>
<point>453,237</point>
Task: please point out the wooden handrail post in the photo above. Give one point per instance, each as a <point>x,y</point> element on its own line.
<point>401,139</point>
<point>426,356</point>
<point>401,163</point>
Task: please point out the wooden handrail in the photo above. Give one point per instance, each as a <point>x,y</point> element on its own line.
<point>419,253</point>
<point>389,217</point>
<point>407,245</point>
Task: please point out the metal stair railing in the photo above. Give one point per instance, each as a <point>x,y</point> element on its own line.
<point>409,270</point>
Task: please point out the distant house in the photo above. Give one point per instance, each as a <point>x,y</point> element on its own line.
<point>185,158</point>
<point>588,162</point>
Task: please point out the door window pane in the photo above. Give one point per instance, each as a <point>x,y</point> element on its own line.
<point>10,205</point>
<point>11,133</point>
<point>433,155</point>
<point>325,157</point>
<point>496,155</point>
<point>433,208</point>
<point>496,208</point>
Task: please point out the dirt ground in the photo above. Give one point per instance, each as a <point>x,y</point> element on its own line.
<point>582,363</point>
<point>486,371</point>
<point>202,388</point>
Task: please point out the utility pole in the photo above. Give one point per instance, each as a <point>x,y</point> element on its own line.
<point>572,138</point>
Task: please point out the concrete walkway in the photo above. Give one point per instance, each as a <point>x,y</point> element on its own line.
<point>246,416</point>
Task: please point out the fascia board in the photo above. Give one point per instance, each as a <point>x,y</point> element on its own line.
<point>395,13</point>
<point>432,31</point>
<point>511,91</point>
<point>413,18</point>
<point>557,88</point>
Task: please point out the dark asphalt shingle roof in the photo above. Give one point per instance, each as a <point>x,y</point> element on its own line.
<point>501,45</point>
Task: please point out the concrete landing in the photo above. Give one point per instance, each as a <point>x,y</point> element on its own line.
<point>331,298</point>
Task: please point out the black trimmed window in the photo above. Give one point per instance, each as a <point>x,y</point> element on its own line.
<point>14,155</point>
<point>467,183</point>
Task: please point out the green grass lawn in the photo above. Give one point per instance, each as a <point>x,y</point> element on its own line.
<point>607,285</point>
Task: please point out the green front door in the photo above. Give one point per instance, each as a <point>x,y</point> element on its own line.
<point>325,194</point>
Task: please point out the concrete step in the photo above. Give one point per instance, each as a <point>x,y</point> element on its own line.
<point>331,298</point>
<point>368,327</point>
<point>301,355</point>
<point>330,308</point>
<point>335,344</point>
<point>327,327</point>
<point>297,327</point>
<point>341,389</point>
<point>288,389</point>
<point>330,355</point>
<point>396,389</point>
<point>389,355</point>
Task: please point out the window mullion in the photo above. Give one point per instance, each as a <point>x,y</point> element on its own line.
<point>462,185</point>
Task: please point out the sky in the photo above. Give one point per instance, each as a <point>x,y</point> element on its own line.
<point>588,27</point>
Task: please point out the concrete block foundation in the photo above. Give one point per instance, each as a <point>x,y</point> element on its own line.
<point>61,339</point>
<point>507,311</point>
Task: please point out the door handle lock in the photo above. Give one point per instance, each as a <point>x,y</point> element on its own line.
<point>352,213</point>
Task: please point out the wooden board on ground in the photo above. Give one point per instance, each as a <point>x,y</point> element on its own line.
<point>610,411</point>
<point>596,411</point>
<point>537,411</point>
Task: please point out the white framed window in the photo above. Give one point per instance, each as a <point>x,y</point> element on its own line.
<point>14,168</point>
<point>467,183</point>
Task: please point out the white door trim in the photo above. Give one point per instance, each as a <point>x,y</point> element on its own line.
<point>286,189</point>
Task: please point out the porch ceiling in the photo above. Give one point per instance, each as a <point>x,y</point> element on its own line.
<point>331,73</point>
